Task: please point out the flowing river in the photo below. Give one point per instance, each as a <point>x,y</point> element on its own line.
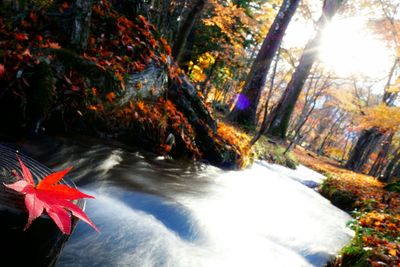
<point>156,212</point>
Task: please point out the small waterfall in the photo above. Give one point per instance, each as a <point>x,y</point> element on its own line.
<point>159,212</point>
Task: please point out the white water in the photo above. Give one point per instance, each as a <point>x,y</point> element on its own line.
<point>263,216</point>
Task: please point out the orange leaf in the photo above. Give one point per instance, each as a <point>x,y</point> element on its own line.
<point>52,179</point>
<point>27,53</point>
<point>64,6</point>
<point>54,45</point>
<point>92,107</point>
<point>110,96</point>
<point>393,252</point>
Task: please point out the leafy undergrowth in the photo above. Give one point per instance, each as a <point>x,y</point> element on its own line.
<point>238,140</point>
<point>376,213</point>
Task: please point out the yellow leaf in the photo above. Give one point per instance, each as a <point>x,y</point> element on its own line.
<point>392,252</point>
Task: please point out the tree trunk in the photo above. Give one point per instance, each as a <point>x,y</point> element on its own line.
<point>389,168</point>
<point>379,163</point>
<point>389,97</point>
<point>279,118</point>
<point>271,88</point>
<point>366,144</point>
<point>344,150</point>
<point>321,149</point>
<point>394,174</point>
<point>185,29</point>
<point>245,109</point>
<point>205,84</point>
<point>310,101</point>
<point>81,24</point>
<point>295,123</point>
<point>297,134</point>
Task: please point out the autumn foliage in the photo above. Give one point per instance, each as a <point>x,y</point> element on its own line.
<point>117,47</point>
<point>237,139</point>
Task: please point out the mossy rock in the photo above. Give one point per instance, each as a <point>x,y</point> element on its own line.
<point>341,199</point>
<point>291,163</point>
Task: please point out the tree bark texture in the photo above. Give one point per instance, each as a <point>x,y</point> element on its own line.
<point>279,118</point>
<point>394,174</point>
<point>366,144</point>
<point>379,164</point>
<point>256,79</point>
<point>392,167</point>
<point>266,107</point>
<point>81,24</point>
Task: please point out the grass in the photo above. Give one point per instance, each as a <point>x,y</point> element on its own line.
<point>274,152</point>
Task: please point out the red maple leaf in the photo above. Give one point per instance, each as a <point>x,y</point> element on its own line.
<point>50,196</point>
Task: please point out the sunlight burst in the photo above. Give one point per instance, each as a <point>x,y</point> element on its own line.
<point>349,48</point>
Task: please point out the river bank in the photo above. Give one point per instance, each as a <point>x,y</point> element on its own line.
<point>375,212</point>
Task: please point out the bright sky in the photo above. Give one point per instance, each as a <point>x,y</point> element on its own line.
<point>348,47</point>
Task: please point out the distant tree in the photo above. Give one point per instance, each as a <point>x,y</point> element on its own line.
<point>279,118</point>
<point>373,135</point>
<point>314,92</point>
<point>245,109</point>
<point>184,30</point>
<point>81,24</point>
